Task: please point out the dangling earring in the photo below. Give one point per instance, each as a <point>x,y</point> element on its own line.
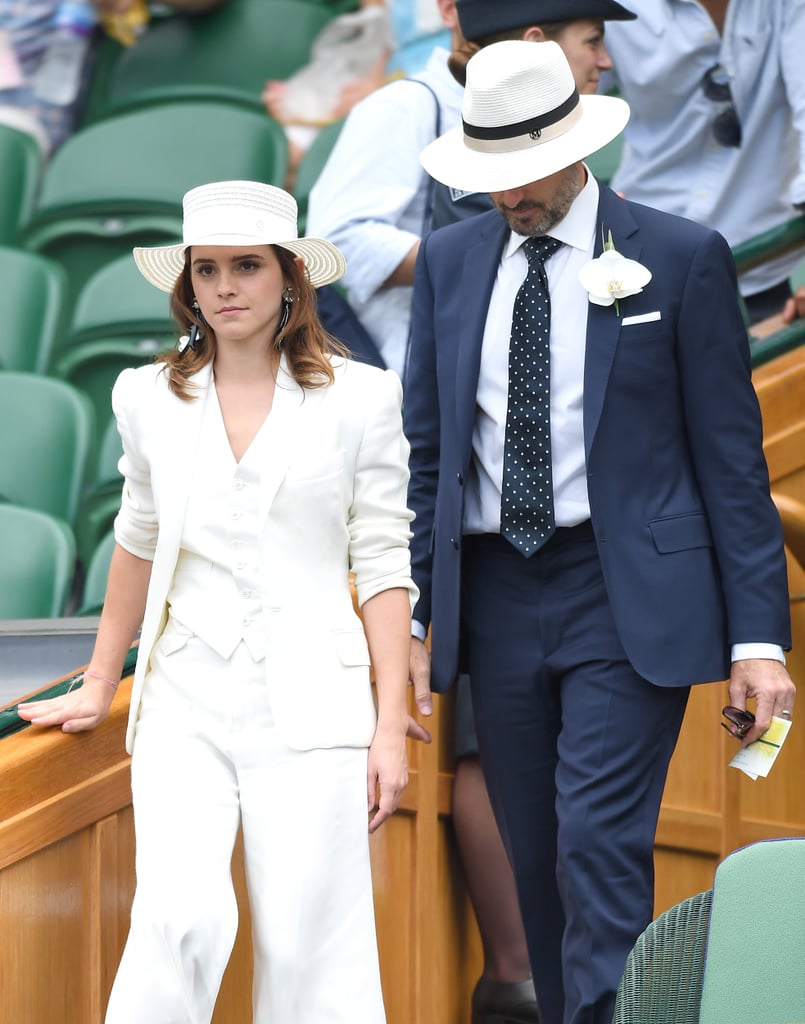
<point>188,341</point>
<point>285,314</point>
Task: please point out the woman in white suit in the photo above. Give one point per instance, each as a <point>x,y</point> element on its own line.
<point>261,467</point>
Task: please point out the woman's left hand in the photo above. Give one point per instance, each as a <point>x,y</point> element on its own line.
<point>387,774</point>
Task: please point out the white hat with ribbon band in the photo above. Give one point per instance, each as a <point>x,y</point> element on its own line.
<point>523,120</point>
<point>240,213</point>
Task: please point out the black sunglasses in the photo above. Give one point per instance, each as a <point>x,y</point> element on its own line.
<point>739,722</point>
<point>726,126</point>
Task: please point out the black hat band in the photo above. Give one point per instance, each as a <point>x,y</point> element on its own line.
<point>523,134</point>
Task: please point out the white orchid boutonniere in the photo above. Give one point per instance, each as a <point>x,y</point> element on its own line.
<point>612,277</point>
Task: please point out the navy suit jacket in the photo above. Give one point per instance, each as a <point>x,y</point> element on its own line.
<point>689,540</point>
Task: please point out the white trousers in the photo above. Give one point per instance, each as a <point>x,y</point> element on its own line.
<point>207,757</point>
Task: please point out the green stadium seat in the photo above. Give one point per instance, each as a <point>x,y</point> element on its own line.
<point>226,54</point>
<point>662,979</point>
<point>21,163</point>
<point>606,161</point>
<point>32,322</point>
<point>94,590</point>
<point>771,934</point>
<point>117,302</point>
<point>110,451</point>
<point>120,182</point>
<point>93,367</point>
<point>46,441</point>
<point>101,502</point>
<point>38,557</point>
<point>689,965</point>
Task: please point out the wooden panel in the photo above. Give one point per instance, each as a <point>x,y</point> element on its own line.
<point>234,1001</point>
<point>395,873</point>
<point>43,933</point>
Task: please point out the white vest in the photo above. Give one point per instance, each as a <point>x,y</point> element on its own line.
<point>216,589</point>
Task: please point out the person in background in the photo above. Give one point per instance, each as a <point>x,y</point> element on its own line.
<point>593,528</point>
<point>402,35</point>
<point>717,133</point>
<point>260,466</point>
<point>577,25</point>
<point>374,197</point>
<point>29,30</point>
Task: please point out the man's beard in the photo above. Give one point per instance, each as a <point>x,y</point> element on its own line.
<point>548,215</point>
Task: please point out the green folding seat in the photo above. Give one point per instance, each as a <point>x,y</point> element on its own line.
<point>101,501</point>
<point>118,302</point>
<point>662,979</point>
<point>46,442</point>
<point>37,552</point>
<point>21,163</point>
<point>93,367</point>
<point>605,161</point>
<point>94,589</point>
<point>228,53</point>
<point>758,923</point>
<point>690,964</point>
<point>119,320</point>
<point>34,317</point>
<point>120,182</point>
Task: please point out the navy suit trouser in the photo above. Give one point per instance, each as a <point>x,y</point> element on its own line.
<point>575,747</point>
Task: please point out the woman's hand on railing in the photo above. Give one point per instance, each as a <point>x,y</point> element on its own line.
<point>77,710</point>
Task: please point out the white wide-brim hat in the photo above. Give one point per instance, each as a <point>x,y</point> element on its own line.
<point>523,120</point>
<point>240,213</point>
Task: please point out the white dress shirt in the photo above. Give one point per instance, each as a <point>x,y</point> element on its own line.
<point>671,159</point>
<point>567,344</point>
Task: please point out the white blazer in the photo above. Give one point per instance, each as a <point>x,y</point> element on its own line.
<point>333,499</point>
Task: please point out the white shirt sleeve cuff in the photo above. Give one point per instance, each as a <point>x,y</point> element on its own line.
<point>418,630</point>
<point>743,652</point>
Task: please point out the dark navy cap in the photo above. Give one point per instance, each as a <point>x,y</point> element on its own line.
<point>479,18</point>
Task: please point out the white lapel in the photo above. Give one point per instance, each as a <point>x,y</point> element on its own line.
<point>182,433</point>
<point>289,421</point>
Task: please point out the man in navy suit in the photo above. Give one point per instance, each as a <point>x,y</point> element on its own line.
<point>594,531</point>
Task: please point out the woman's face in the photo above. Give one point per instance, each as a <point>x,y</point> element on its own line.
<point>583,45</point>
<point>239,290</point>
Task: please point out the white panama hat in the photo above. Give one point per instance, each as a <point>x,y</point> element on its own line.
<point>241,213</point>
<point>523,120</point>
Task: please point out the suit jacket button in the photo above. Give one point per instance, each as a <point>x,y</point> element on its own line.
<point>460,479</point>
<point>454,542</point>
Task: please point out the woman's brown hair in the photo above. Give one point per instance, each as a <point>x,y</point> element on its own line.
<point>303,340</point>
<point>458,59</point>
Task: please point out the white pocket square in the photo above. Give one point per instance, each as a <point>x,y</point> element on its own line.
<point>643,318</point>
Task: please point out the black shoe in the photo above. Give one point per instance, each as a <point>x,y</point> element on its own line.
<point>502,1002</point>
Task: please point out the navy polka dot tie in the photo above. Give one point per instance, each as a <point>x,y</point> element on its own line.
<point>526,509</point>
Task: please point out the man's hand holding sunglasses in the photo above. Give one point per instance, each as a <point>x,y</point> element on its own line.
<point>769,684</point>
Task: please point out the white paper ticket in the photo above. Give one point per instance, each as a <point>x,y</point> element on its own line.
<point>756,759</point>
